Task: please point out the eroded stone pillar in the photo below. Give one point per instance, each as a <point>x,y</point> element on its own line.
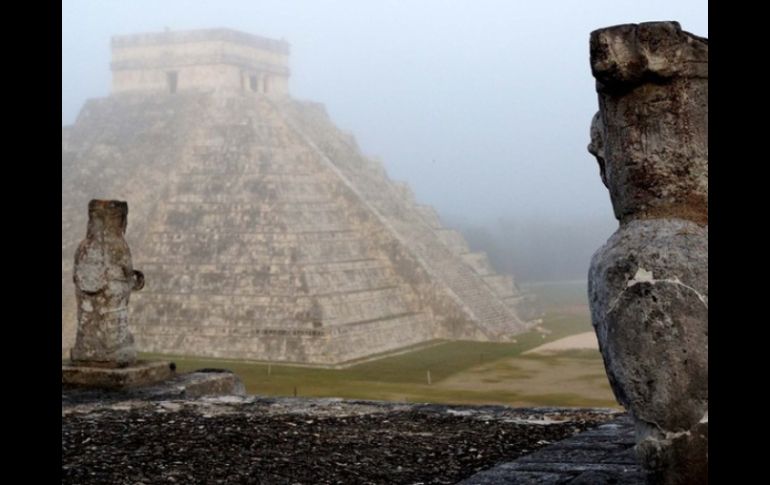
<point>648,285</point>
<point>104,279</point>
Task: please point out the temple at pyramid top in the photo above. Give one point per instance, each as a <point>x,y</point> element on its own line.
<point>199,60</point>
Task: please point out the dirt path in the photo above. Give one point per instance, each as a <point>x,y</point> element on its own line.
<point>586,340</point>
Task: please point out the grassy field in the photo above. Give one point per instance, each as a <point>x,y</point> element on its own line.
<point>460,372</point>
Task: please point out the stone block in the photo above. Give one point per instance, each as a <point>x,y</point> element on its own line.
<point>139,374</point>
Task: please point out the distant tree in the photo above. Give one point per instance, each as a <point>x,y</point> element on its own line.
<point>536,250</point>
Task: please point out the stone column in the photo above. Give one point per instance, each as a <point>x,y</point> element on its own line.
<point>648,285</point>
<point>104,279</point>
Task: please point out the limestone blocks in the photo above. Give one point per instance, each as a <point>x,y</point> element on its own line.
<point>648,285</point>
<point>104,279</point>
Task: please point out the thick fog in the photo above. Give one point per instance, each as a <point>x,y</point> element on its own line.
<point>483,107</point>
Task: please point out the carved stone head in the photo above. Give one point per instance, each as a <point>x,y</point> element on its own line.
<point>107,216</point>
<point>651,136</point>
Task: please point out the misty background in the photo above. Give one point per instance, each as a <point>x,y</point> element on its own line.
<point>483,107</point>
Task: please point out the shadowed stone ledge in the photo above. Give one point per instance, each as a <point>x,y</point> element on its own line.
<point>138,374</point>
<point>204,382</point>
<point>602,455</point>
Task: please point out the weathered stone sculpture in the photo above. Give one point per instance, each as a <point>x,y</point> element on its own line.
<point>648,285</point>
<point>104,279</point>
<point>104,355</point>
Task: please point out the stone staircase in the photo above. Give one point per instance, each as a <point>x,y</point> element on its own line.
<point>264,234</point>
<point>250,234</point>
<point>395,204</point>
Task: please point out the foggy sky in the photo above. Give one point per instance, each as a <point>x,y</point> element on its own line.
<point>483,107</point>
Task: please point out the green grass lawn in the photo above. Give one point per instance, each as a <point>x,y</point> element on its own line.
<point>460,371</point>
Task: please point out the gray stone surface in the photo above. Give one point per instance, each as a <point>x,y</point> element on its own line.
<point>648,285</point>
<point>104,278</point>
<point>237,439</point>
<point>602,455</point>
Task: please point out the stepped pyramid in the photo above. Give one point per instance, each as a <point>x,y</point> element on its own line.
<point>262,230</point>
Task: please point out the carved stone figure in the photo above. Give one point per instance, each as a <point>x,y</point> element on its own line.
<point>104,279</point>
<point>648,285</point>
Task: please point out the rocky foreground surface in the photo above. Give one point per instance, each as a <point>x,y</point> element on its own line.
<point>255,440</point>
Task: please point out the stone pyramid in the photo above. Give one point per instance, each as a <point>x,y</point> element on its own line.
<point>262,230</point>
